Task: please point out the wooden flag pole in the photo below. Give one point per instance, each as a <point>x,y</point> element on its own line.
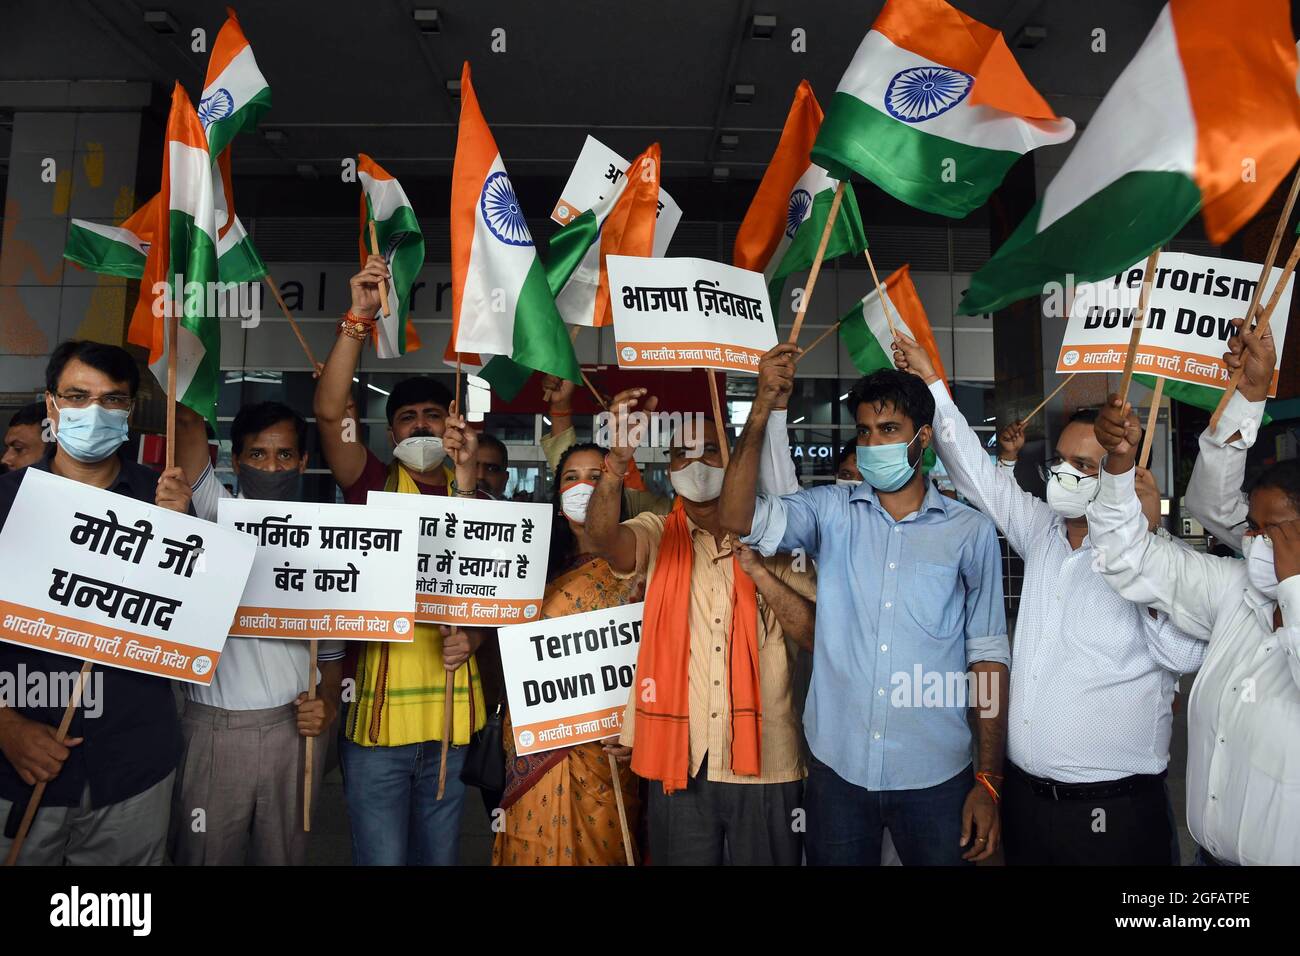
<point>307,764</point>
<point>1039,407</point>
<point>723,438</point>
<point>817,341</point>
<point>383,286</point>
<point>1152,415</point>
<point>275,291</point>
<point>34,803</point>
<point>884,299</point>
<point>1139,320</point>
<point>622,811</point>
<point>172,323</point>
<point>449,688</point>
<point>817,263</point>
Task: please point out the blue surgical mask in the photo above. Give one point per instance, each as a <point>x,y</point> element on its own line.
<point>886,467</point>
<point>92,433</point>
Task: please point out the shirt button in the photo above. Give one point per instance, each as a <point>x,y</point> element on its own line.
<point>889,604</point>
<point>1221,740</point>
<point>717,620</point>
<point>884,647</point>
<point>716,683</point>
<point>877,735</point>
<point>718,649</point>
<point>880,692</point>
<point>715,715</point>
<point>892,565</point>
<point>898,531</point>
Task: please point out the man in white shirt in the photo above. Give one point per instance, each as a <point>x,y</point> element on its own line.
<point>239,788</point>
<point>1092,674</point>
<point>1243,763</point>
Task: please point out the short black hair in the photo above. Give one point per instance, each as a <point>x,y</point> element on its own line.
<point>252,419</point>
<point>112,360</point>
<point>33,414</point>
<point>890,386</point>
<point>416,391</point>
<point>847,451</point>
<point>1285,477</point>
<point>491,441</point>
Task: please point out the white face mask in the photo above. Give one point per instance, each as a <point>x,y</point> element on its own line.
<point>847,482</point>
<point>1071,502</point>
<point>697,482</point>
<point>420,452</point>
<point>1259,565</point>
<point>574,500</point>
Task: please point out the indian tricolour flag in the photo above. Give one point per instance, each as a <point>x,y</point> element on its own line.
<point>502,306</point>
<point>865,330</point>
<point>400,242</point>
<point>621,224</point>
<point>113,250</point>
<point>934,110</point>
<point>181,268</point>
<point>783,227</point>
<point>1204,117</point>
<point>235,95</point>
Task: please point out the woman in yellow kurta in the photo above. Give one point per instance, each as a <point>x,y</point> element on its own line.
<point>560,805</point>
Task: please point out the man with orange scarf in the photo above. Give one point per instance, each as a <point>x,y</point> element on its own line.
<point>711,719</point>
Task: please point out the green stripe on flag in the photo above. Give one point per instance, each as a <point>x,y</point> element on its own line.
<point>241,263</point>
<point>541,339</point>
<point>98,253</point>
<point>506,376</point>
<point>863,346</point>
<point>221,132</point>
<point>847,237</point>
<point>1099,238</point>
<point>566,248</point>
<point>1205,397</point>
<point>194,260</point>
<point>905,162</point>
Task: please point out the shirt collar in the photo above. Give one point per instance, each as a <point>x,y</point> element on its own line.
<point>127,481</point>
<point>1262,606</point>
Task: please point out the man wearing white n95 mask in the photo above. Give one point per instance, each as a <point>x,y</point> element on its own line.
<point>1092,674</point>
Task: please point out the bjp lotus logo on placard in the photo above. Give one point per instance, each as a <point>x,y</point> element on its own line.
<point>628,353</point>
<point>401,625</point>
<point>526,738</point>
<point>1070,358</point>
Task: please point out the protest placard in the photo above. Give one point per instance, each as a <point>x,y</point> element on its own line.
<point>568,678</point>
<point>598,170</point>
<point>481,563</point>
<point>325,572</point>
<point>102,577</point>
<point>688,313</point>
<point>1193,301</point>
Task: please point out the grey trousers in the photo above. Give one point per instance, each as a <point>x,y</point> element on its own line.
<point>755,822</point>
<point>238,796</point>
<point>130,833</point>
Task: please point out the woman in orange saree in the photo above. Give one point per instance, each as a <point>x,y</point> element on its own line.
<point>560,807</point>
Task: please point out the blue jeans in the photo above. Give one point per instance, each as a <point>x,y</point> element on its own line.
<point>846,822</point>
<point>396,817</point>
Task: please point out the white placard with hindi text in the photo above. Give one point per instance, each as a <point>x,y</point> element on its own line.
<point>598,170</point>
<point>102,577</point>
<point>688,313</point>
<point>1192,302</point>
<point>325,571</point>
<point>568,679</point>
<point>481,563</point>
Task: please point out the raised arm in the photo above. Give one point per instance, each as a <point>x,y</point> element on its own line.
<point>558,395</point>
<point>1016,512</point>
<point>191,443</point>
<point>617,544</point>
<point>740,486</point>
<point>796,613</point>
<point>344,451</point>
<point>1141,566</point>
<point>1214,495</point>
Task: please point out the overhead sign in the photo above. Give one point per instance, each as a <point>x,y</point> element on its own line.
<point>568,679</point>
<point>101,577</point>
<point>599,169</point>
<point>325,572</point>
<point>481,563</point>
<point>688,313</point>
<point>1192,303</point>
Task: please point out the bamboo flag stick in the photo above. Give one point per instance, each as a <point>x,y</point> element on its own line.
<point>383,286</point>
<point>817,263</point>
<point>1152,415</point>
<point>1039,407</point>
<point>34,803</point>
<point>1139,320</point>
<point>884,299</point>
<point>275,291</point>
<point>172,323</point>
<point>723,438</point>
<point>449,688</point>
<point>622,811</point>
<point>307,764</point>
<point>1265,269</point>
<point>817,341</point>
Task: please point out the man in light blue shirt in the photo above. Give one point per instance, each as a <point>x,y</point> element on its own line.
<point>911,634</point>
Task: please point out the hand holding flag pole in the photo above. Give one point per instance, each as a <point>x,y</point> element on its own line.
<point>1152,415</point>
<point>383,286</point>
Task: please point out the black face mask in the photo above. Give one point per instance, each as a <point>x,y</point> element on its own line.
<point>270,485</point>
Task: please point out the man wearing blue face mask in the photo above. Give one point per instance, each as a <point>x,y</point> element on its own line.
<point>244,757</point>
<point>909,619</point>
<point>109,783</point>
<point>1093,674</point>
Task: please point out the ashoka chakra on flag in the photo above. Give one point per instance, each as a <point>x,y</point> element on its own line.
<point>501,211</point>
<point>923,92</point>
<point>215,107</point>
<point>800,204</point>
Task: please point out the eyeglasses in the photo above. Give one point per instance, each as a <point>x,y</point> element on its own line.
<point>1052,469</point>
<point>113,401</point>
